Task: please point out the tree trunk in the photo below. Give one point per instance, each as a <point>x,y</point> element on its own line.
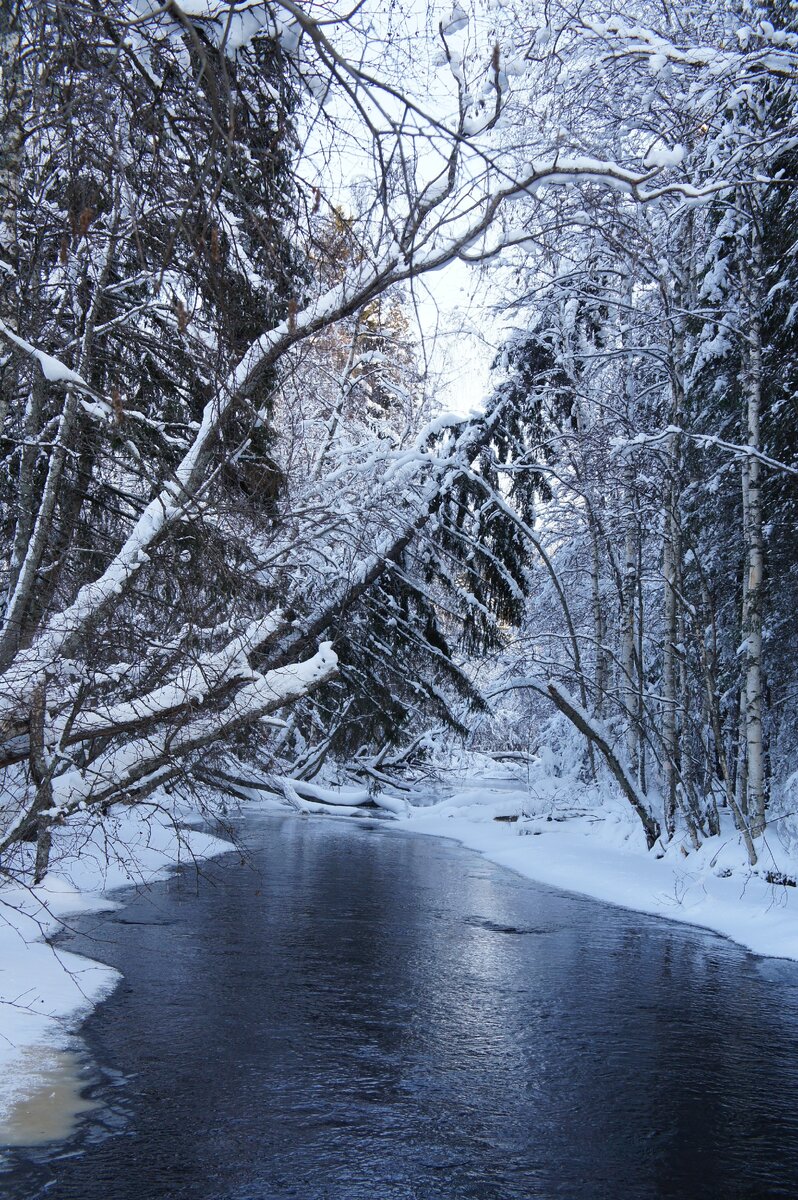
<point>754,548</point>
<point>598,737</point>
<point>25,584</point>
<point>670,559</point>
<point>629,585</point>
<point>41,773</point>
<point>11,130</point>
<point>601,676</point>
<point>11,140</point>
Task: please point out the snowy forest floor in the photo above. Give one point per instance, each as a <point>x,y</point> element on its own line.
<point>542,827</point>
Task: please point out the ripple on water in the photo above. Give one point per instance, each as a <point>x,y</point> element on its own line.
<point>373,1016</point>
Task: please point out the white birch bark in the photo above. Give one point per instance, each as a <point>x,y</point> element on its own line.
<point>753,611</point>
<point>11,135</point>
<point>11,126</point>
<point>629,586</point>
<point>670,573</point>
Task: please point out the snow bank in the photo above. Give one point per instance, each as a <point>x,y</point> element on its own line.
<point>44,991</point>
<point>600,851</point>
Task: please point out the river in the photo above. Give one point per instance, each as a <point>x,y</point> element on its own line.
<point>350,1012</point>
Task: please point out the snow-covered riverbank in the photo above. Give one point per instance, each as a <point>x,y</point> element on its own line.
<point>45,992</point>
<point>600,852</point>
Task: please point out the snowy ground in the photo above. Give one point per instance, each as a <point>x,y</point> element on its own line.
<point>45,992</point>
<point>597,848</point>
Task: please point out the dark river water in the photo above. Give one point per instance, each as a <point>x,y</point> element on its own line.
<point>355,1013</point>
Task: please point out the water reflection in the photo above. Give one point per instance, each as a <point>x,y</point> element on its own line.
<point>51,1107</point>
<point>365,1015</point>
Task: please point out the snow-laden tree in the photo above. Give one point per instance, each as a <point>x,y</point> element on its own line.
<point>656,321</point>
<point>183,543</point>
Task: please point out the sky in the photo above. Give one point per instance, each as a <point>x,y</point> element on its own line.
<point>461,333</point>
<point>453,306</point>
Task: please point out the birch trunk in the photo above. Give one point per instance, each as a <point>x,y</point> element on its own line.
<point>11,139</point>
<point>629,586</point>
<point>752,498</point>
<point>672,691</point>
<point>11,129</point>
<point>670,560</point>
<point>599,624</point>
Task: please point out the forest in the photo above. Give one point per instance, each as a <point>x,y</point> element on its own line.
<point>243,537</point>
